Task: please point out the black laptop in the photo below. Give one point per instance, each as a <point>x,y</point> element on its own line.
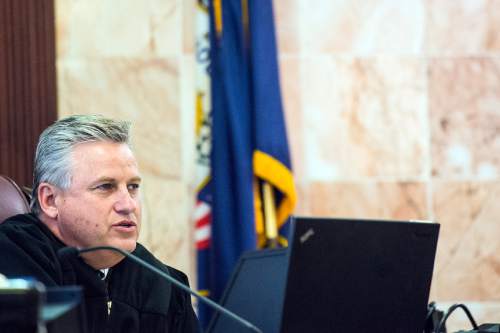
<point>338,275</point>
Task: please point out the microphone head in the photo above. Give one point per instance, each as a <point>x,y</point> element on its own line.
<point>67,253</point>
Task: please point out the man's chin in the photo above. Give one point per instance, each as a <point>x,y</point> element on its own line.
<point>128,245</point>
<point>108,258</point>
<point>102,258</point>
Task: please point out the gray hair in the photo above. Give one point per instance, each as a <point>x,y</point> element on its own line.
<point>52,157</point>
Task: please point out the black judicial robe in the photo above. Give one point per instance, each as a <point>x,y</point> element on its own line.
<point>141,301</point>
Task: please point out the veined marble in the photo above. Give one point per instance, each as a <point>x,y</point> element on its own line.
<point>464,109</point>
<point>361,27</point>
<point>377,200</point>
<point>364,118</point>
<point>462,27</point>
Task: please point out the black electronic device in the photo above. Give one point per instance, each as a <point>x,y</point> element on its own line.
<point>27,306</point>
<point>20,305</point>
<point>63,310</point>
<point>255,291</point>
<point>352,275</point>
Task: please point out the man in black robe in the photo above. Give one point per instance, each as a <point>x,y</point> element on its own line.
<point>85,194</point>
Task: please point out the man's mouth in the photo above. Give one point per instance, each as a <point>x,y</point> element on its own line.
<point>125,224</point>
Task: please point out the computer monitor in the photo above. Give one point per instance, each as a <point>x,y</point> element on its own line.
<point>20,306</point>
<point>255,292</point>
<point>28,306</point>
<point>352,275</point>
<point>63,310</point>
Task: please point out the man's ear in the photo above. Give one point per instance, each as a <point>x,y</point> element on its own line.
<point>47,195</point>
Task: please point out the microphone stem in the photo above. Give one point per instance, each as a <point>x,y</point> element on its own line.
<point>177,283</point>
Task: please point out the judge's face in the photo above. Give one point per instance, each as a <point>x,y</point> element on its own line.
<point>102,206</point>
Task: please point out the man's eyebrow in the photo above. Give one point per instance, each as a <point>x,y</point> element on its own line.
<point>104,179</point>
<point>135,179</point>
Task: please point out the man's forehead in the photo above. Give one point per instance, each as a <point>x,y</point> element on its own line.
<point>91,148</point>
<point>104,159</point>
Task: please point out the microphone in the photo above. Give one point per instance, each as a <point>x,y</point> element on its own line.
<point>67,253</point>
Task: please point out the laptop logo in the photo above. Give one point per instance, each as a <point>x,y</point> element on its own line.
<point>305,236</point>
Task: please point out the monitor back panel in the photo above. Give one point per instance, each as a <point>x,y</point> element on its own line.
<point>359,276</point>
<point>255,292</point>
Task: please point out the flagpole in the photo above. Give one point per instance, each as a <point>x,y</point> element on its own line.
<point>270,223</point>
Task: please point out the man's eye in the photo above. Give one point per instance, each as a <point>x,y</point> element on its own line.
<point>133,187</point>
<point>105,186</point>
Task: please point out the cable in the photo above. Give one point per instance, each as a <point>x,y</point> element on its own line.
<point>448,313</point>
<point>430,310</point>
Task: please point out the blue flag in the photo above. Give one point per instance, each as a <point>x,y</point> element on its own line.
<point>248,139</point>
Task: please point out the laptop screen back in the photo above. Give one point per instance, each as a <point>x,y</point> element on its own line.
<point>358,276</point>
<point>255,292</point>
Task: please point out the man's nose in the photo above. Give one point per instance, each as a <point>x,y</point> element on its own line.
<point>125,203</point>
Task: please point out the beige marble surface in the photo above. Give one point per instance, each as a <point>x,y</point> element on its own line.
<point>164,229</point>
<point>287,16</point>
<point>95,28</point>
<point>189,26</point>
<point>361,27</point>
<point>464,109</point>
<point>379,200</point>
<point>290,79</point>
<point>187,118</point>
<point>462,26</point>
<point>468,261</point>
<point>144,91</point>
<point>365,118</point>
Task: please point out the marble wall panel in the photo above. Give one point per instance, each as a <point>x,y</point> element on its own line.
<point>462,26</point>
<point>164,228</point>
<point>188,151</point>
<point>286,18</point>
<point>361,27</point>
<point>187,117</point>
<point>366,118</point>
<point>303,200</point>
<point>95,28</point>
<point>467,263</point>
<point>290,88</point>
<point>378,200</point>
<point>464,109</point>
<point>166,27</point>
<point>189,25</point>
<point>145,92</point>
